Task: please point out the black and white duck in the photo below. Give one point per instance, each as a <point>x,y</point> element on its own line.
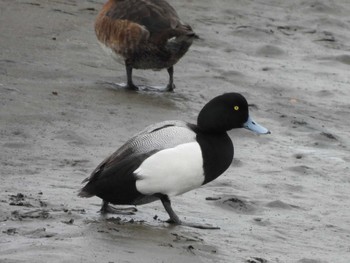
<point>171,158</point>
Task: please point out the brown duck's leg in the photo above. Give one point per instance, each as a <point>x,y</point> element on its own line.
<point>130,84</point>
<point>174,219</point>
<point>171,85</point>
<point>107,209</point>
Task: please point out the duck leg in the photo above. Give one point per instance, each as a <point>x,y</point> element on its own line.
<point>174,219</point>
<point>107,209</point>
<point>130,84</point>
<point>171,85</point>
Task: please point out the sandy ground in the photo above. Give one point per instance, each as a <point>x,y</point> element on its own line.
<point>286,196</point>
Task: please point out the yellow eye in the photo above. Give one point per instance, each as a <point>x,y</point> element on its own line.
<point>236,108</point>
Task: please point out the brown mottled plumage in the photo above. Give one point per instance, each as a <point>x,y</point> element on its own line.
<point>146,34</point>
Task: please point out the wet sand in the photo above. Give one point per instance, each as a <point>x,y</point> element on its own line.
<point>286,196</point>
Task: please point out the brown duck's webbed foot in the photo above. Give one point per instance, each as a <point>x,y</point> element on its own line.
<point>107,209</point>
<point>156,88</point>
<point>174,219</point>
<point>170,88</point>
<point>131,87</point>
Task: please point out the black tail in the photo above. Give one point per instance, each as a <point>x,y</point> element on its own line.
<point>192,34</point>
<point>84,193</point>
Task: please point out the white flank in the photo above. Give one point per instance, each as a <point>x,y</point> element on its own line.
<point>171,171</point>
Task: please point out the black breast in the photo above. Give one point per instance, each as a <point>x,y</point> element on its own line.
<point>217,151</point>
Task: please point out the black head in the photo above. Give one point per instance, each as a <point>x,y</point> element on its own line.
<point>224,113</point>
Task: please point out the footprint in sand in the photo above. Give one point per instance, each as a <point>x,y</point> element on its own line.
<point>301,169</point>
<point>324,139</point>
<point>39,233</point>
<point>16,145</point>
<point>233,203</point>
<point>308,260</point>
<point>270,51</point>
<point>345,59</point>
<point>278,204</point>
<point>71,137</point>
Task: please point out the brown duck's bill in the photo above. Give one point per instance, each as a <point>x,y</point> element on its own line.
<point>250,124</point>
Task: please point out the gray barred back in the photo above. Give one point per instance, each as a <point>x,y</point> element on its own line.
<point>153,138</point>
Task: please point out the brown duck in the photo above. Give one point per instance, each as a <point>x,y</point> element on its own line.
<point>145,34</point>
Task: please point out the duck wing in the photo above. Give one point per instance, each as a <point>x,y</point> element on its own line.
<point>152,139</point>
<point>155,15</point>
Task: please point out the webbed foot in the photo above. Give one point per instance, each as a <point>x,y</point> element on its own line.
<point>107,209</point>
<point>194,225</point>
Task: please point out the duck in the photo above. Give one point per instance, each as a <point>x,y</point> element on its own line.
<point>170,158</point>
<point>143,34</point>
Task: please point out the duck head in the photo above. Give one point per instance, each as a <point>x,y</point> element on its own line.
<point>226,112</point>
